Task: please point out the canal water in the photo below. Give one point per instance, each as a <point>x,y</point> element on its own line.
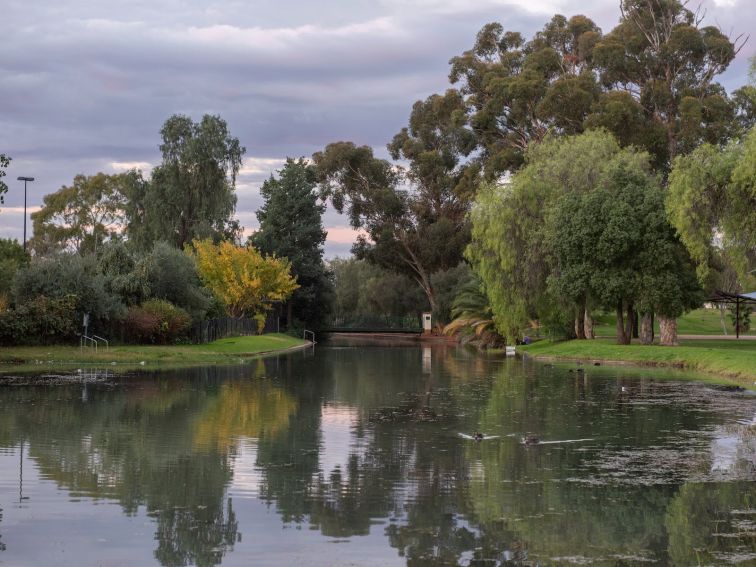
<point>359,454</point>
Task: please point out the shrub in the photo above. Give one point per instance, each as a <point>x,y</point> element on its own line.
<point>42,320</point>
<point>156,321</point>
<point>69,275</point>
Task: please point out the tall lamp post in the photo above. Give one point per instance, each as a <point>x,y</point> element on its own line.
<point>25,179</point>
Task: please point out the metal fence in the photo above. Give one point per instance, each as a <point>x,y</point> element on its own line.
<point>374,323</point>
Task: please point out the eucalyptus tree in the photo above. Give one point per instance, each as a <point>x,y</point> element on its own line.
<point>518,91</point>
<point>414,231</point>
<point>662,56</point>
<point>191,193</point>
<point>81,217</point>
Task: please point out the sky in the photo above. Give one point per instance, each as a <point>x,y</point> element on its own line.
<point>85,85</point>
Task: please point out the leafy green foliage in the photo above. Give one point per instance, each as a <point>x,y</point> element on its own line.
<point>517,91</point>
<point>615,244</point>
<point>363,289</point>
<point>291,227</point>
<point>413,233</point>
<point>582,223</point>
<point>42,320</point>
<point>12,257</point>
<point>509,250</point>
<point>172,275</point>
<point>191,194</point>
<point>69,275</point>
<point>156,321</point>
<point>471,315</point>
<point>4,162</point>
<point>80,218</point>
<point>661,55</point>
<point>742,319</point>
<point>711,203</point>
<point>447,284</point>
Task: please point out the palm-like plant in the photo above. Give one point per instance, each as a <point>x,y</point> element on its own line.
<point>472,320</point>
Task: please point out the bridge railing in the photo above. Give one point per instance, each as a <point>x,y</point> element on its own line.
<point>375,323</point>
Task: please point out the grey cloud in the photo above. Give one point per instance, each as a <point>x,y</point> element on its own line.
<point>87,83</point>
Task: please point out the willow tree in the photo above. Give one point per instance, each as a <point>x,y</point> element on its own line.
<point>509,248</point>
<point>712,204</point>
<point>192,192</point>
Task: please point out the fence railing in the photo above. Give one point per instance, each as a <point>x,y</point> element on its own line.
<point>214,329</point>
<point>360,321</point>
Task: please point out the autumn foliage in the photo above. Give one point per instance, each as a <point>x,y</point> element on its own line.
<point>243,279</point>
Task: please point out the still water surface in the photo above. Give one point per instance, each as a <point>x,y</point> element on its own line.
<point>351,455</point>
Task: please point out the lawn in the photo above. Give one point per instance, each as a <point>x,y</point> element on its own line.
<point>218,352</point>
<point>697,322</point>
<point>727,358</point>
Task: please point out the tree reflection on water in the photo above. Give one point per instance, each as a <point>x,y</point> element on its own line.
<point>641,490</point>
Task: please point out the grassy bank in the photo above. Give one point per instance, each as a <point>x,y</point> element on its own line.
<point>218,352</point>
<point>731,359</point>
<point>696,322</point>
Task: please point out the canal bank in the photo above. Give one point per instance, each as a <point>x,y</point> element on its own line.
<point>223,351</point>
<point>731,360</point>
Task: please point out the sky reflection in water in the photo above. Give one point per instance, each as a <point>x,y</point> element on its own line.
<point>352,455</point>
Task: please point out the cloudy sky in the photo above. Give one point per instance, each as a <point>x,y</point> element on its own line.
<point>85,85</point>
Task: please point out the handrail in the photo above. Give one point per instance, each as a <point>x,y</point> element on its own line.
<point>306,332</point>
<point>107,344</point>
<point>83,341</point>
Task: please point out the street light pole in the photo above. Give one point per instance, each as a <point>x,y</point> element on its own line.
<point>25,179</point>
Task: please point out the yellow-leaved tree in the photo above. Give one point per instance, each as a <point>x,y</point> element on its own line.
<point>243,279</point>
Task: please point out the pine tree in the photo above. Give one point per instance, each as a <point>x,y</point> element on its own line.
<point>291,226</point>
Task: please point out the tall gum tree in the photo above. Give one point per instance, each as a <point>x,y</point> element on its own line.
<point>519,91</point>
<point>416,219</point>
<point>82,216</point>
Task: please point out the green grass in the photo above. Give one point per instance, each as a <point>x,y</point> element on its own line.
<point>697,322</point>
<point>726,358</point>
<point>218,352</point>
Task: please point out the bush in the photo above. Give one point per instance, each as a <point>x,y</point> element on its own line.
<point>157,321</point>
<point>172,275</point>
<point>42,320</point>
<point>65,276</point>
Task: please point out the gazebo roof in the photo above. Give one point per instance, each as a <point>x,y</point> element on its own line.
<point>727,297</point>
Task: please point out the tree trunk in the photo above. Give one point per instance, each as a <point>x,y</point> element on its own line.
<point>646,333</point>
<point>629,323</point>
<point>636,321</point>
<point>667,331</point>
<point>622,338</point>
<point>722,318</point>
<point>580,322</point>
<point>588,325</point>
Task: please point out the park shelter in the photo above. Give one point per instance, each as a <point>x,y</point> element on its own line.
<point>736,299</point>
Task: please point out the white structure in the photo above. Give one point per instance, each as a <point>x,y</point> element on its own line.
<point>427,323</point>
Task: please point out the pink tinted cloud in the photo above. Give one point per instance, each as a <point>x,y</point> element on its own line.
<point>343,234</point>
